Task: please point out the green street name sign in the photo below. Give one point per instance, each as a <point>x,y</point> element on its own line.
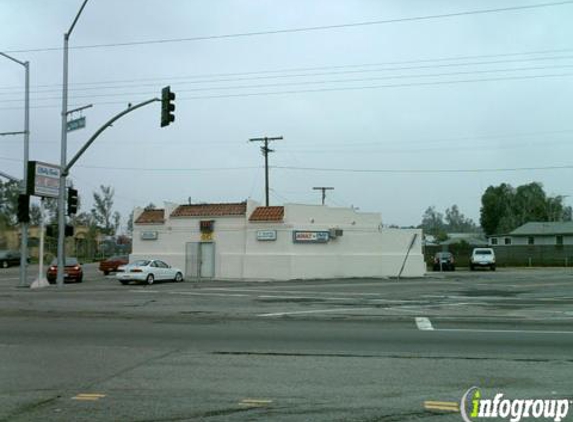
<point>76,124</point>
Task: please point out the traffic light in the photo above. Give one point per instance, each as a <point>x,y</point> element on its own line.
<point>167,106</point>
<point>72,201</point>
<point>23,208</point>
<point>69,231</point>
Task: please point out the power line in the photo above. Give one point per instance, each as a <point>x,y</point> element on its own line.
<point>189,79</point>
<point>154,169</point>
<point>319,90</point>
<point>335,81</point>
<point>303,29</point>
<point>422,171</point>
<point>331,170</point>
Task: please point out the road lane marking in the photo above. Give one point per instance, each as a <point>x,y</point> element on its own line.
<point>278,290</point>
<point>255,402</point>
<point>316,311</point>
<point>172,292</point>
<point>478,330</point>
<point>88,397</point>
<point>304,297</point>
<point>424,324</point>
<point>447,406</point>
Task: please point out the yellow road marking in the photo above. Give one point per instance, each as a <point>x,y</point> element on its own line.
<point>449,406</point>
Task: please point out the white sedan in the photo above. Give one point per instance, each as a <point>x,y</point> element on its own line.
<point>148,270</point>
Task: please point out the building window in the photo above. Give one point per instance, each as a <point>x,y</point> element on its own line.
<point>559,240</point>
<point>531,240</point>
<point>508,240</point>
<point>494,240</point>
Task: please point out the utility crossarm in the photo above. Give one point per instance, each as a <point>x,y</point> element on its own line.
<point>101,129</point>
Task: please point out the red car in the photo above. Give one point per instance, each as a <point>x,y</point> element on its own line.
<point>111,264</point>
<point>73,271</point>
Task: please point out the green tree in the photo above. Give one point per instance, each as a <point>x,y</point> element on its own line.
<point>433,222</point>
<point>505,208</point>
<point>456,222</point>
<point>9,192</point>
<point>102,211</point>
<point>496,204</point>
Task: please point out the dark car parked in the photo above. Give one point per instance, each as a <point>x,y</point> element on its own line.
<point>112,264</point>
<point>8,258</point>
<point>73,271</point>
<point>444,261</point>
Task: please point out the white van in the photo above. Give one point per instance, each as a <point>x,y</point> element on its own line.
<point>482,257</point>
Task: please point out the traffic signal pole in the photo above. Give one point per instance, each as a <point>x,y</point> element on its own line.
<point>23,225</point>
<point>66,169</point>
<point>63,158</point>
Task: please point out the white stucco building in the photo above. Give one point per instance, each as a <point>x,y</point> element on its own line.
<point>247,241</point>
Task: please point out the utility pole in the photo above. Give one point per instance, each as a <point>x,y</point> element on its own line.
<point>265,150</point>
<point>63,158</point>
<point>24,225</point>
<point>323,189</point>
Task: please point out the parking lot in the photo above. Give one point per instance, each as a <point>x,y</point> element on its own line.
<point>353,350</point>
<point>528,295</point>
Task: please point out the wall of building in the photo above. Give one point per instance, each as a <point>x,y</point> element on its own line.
<point>173,236</point>
<point>548,240</point>
<point>364,250</point>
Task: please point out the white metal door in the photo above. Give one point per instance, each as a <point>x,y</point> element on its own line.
<point>207,260</point>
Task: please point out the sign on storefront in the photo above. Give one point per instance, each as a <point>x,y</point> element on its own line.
<point>266,235</point>
<point>300,236</point>
<point>149,235</point>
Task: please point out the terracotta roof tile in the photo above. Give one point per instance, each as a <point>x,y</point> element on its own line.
<point>210,210</point>
<point>151,217</point>
<point>268,214</point>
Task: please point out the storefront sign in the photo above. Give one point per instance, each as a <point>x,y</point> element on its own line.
<point>149,235</point>
<point>207,237</point>
<point>310,236</point>
<point>43,179</point>
<point>266,235</point>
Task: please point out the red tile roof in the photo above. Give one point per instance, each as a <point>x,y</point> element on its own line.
<point>151,217</point>
<point>268,214</point>
<point>210,210</point>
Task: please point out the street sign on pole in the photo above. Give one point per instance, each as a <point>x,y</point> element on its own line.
<point>43,179</point>
<point>76,124</point>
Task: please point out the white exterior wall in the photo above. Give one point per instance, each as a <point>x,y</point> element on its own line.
<point>364,250</point>
<point>173,236</point>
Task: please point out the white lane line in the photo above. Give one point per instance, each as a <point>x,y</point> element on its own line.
<point>171,292</point>
<point>278,290</point>
<point>478,330</point>
<point>316,311</point>
<point>424,324</point>
<point>304,297</point>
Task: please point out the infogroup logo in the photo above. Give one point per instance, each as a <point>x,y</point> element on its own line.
<point>474,407</point>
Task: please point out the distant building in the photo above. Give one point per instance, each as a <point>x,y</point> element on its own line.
<point>536,233</point>
<point>246,241</point>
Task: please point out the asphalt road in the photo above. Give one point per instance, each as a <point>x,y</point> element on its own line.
<point>336,350</point>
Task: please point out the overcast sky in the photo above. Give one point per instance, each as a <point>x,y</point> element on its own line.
<point>465,92</point>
